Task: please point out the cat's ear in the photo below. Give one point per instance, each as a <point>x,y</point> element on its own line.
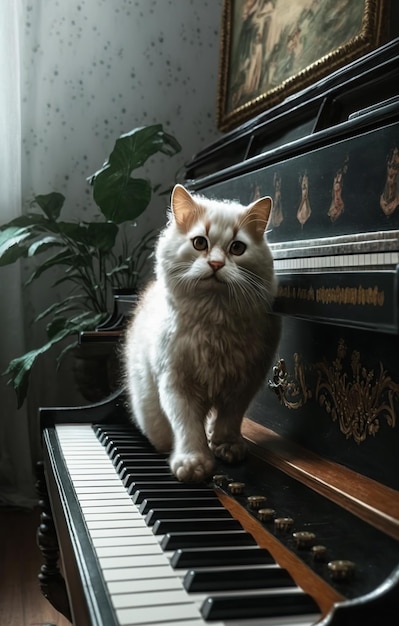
<point>257,216</point>
<point>184,208</point>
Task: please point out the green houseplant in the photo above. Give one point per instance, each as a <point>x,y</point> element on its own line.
<point>95,257</point>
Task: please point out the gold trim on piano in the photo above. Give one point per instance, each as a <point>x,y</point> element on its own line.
<point>355,397</point>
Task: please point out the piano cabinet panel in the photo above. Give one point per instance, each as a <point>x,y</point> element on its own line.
<point>335,391</point>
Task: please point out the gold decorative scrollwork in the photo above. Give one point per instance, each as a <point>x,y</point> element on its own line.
<point>292,391</point>
<point>357,399</point>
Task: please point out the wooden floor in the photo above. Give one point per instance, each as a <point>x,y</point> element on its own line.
<point>21,601</point>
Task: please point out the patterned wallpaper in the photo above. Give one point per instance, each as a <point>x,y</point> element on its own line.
<point>93,69</point>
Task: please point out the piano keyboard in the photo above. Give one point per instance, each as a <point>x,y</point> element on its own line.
<point>169,552</point>
<point>372,260</point>
<point>364,251</point>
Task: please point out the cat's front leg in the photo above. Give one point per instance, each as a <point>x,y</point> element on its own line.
<point>191,459</point>
<point>224,434</point>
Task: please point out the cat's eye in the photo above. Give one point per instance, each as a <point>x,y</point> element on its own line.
<point>238,248</point>
<point>200,243</point>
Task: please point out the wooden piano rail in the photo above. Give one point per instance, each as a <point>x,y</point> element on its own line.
<point>311,583</point>
<point>372,502</point>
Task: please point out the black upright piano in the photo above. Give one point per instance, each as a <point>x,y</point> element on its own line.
<point>306,529</point>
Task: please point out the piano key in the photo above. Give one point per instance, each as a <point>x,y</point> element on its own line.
<point>176,503</point>
<point>195,557</point>
<point>167,493</point>
<point>164,526</point>
<point>172,613</point>
<point>132,484</point>
<point>210,580</point>
<point>155,477</point>
<point>173,541</point>
<point>145,471</point>
<point>139,463</point>
<point>199,512</point>
<point>262,605</point>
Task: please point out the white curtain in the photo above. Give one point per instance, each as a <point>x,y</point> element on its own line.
<point>16,476</point>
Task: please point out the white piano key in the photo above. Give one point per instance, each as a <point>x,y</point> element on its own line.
<point>151,599</point>
<point>119,495</point>
<point>121,515</point>
<point>134,550</point>
<point>101,508</point>
<point>116,524</point>
<point>136,560</point>
<point>145,539</point>
<point>138,586</point>
<point>146,573</point>
<point>120,532</point>
<point>157,614</point>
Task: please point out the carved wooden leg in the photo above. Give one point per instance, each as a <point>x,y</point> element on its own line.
<point>51,581</point>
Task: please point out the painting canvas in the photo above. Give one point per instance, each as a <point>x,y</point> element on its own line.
<point>272,48</point>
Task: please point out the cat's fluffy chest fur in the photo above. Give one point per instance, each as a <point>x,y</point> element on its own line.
<point>203,335</point>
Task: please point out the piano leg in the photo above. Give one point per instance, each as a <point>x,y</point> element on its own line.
<point>51,581</point>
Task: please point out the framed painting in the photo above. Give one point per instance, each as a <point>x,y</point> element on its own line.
<point>271,49</point>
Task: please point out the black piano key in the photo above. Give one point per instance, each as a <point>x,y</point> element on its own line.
<point>142,462</point>
<point>259,605</point>
<point>165,493</point>
<point>164,526</point>
<point>135,455</point>
<point>156,477</point>
<point>209,580</point>
<point>174,541</point>
<point>176,503</point>
<point>195,513</point>
<point>134,485</point>
<point>189,558</point>
<point>144,471</point>
<point>125,448</point>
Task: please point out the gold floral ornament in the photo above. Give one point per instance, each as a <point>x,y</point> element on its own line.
<point>292,391</point>
<point>359,398</point>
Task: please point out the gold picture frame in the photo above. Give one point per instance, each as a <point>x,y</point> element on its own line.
<point>271,49</point>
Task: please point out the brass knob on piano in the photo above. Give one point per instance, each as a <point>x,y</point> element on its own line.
<point>256,502</point>
<point>341,569</point>
<point>319,553</point>
<point>266,515</point>
<point>218,479</point>
<point>304,539</point>
<point>283,524</point>
<point>236,488</point>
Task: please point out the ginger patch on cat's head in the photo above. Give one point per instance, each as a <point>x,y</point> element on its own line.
<point>185,209</point>
<point>256,217</point>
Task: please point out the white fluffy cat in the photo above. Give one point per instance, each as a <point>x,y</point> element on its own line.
<point>203,337</point>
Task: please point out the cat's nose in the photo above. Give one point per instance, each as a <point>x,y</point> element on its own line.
<point>216,265</point>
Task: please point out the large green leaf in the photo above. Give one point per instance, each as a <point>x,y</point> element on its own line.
<point>19,369</point>
<point>24,221</point>
<point>51,204</point>
<point>120,197</point>
<point>43,244</point>
<point>14,244</point>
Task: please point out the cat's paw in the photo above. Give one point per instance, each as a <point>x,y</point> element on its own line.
<point>192,467</point>
<point>230,451</point>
